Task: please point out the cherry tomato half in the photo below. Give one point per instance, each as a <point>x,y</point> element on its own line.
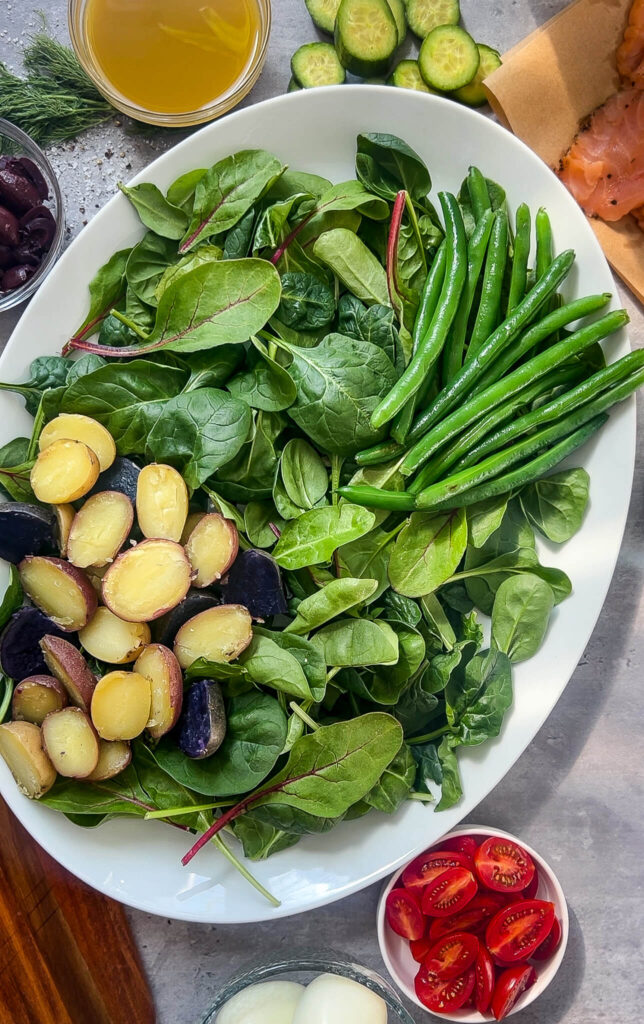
<point>515,932</point>
<point>461,844</point>
<point>503,866</point>
<point>404,915</point>
<point>484,980</point>
<point>550,944</point>
<point>431,864</point>
<point>449,892</point>
<point>473,918</point>
<point>510,985</point>
<point>452,955</point>
<point>419,948</point>
<point>442,995</point>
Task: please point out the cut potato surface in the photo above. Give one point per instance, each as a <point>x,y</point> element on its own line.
<point>64,519</point>
<point>74,427</point>
<point>212,548</point>
<point>113,758</point>
<point>21,747</point>
<point>36,697</point>
<point>218,634</point>
<point>64,472</point>
<point>114,640</point>
<point>70,742</point>
<point>121,705</point>
<point>100,529</point>
<point>68,665</point>
<point>161,502</point>
<point>62,591</point>
<point>147,581</point>
<point>191,522</point>
<point>159,665</point>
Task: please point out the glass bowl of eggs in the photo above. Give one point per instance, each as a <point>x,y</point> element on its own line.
<point>321,988</point>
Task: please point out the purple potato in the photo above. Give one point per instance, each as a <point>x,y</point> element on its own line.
<point>34,175</point>
<point>20,654</point>
<point>9,228</point>
<point>202,726</point>
<point>256,582</point>
<point>16,191</point>
<point>121,476</point>
<point>25,530</point>
<point>195,601</point>
<point>15,277</point>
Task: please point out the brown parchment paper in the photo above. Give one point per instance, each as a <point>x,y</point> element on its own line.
<point>549,82</point>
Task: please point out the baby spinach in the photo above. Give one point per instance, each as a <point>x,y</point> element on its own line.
<point>394,785</point>
<point>156,212</point>
<point>520,615</point>
<point>265,384</point>
<point>44,372</point>
<point>427,551</point>
<point>147,264</point>
<point>354,643</point>
<point>313,537</point>
<point>273,224</point>
<point>260,840</point>
<point>122,795</point>
<point>13,597</point>
<point>354,264</point>
<point>451,786</point>
<point>105,289</point>
<point>304,474</point>
<point>306,653</point>
<point>334,599</point>
<point>237,243</point>
<point>211,368</point>
<point>401,608</point>
<point>249,476</point>
<point>307,303</point>
<point>416,707</point>
<point>368,558</point>
<point>376,324</point>
<point>86,364</point>
<point>269,664</point>
<point>385,165</point>
<point>556,505</point>
<point>258,516</point>
<point>182,191</point>
<point>484,518</point>
<point>177,268</point>
<point>428,767</point>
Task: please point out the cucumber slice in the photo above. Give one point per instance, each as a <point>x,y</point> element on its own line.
<point>406,75</point>
<point>294,86</point>
<point>365,36</point>
<point>425,15</point>
<point>317,64</point>
<point>449,58</point>
<point>474,93</point>
<point>397,8</point>
<point>323,13</point>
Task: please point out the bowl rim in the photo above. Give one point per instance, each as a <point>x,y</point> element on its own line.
<point>553,965</point>
<point>13,298</point>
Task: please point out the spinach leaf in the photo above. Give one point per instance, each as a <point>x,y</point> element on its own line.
<point>308,656</point>
<point>520,560</point>
<point>226,510</point>
<point>354,264</point>
<point>249,477</point>
<point>44,372</point>
<point>411,653</point>
<point>13,597</point>
<point>163,791</point>
<point>237,243</point>
<point>436,619</point>
<point>265,384</point>
<point>428,766</point>
<point>427,551</point>
<point>395,784</point>
<point>376,324</point>
<point>312,228</point>
<point>368,558</point>
<point>258,515</point>
<point>227,191</point>
<point>476,709</point>
<point>105,289</point>
<point>401,608</point>
<point>122,795</point>
<point>332,600</point>
<point>273,224</point>
<point>16,479</point>
<point>255,735</point>
<point>292,182</point>
<point>418,704</point>
<point>307,303</point>
<point>147,264</point>
<point>314,536</point>
<point>304,474</point>
<point>556,505</point>
<point>260,840</point>
<point>198,432</point>
<point>355,643</point>
<point>452,789</point>
<point>212,367</point>
<point>155,211</point>
<point>6,693</point>
<point>269,664</point>
<point>385,165</point>
<point>182,191</point>
<point>484,518</point>
<point>520,615</point>
<point>178,268</point>
<point>86,364</point>
<point>339,384</point>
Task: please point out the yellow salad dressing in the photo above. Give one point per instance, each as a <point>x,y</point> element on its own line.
<point>172,56</point>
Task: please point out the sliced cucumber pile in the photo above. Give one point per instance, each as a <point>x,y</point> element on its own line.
<point>473,94</point>
<point>449,58</point>
<point>425,15</point>
<point>317,64</point>
<point>406,75</point>
<point>324,13</point>
<point>397,8</point>
<point>366,36</point>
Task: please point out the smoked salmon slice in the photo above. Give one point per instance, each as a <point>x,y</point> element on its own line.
<point>630,53</point>
<point>604,167</point>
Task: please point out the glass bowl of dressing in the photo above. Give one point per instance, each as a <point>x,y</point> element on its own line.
<point>320,988</point>
<point>171,62</point>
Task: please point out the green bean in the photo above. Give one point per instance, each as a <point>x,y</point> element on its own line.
<point>403,420</point>
<point>382,452</point>
<point>375,497</point>
<point>519,276</point>
<point>479,194</point>
<point>467,377</point>
<point>487,317</point>
<point>560,317</point>
<point>431,345</point>
<point>480,404</point>
<point>530,471</point>
<point>431,294</point>
<point>476,249</point>
<point>623,376</point>
<point>543,231</point>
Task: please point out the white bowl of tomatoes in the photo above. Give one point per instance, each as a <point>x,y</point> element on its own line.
<point>475,928</point>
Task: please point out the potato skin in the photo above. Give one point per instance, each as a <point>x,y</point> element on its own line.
<point>28,570</point>
<point>212,548</point>
<point>64,519</point>
<point>25,530</point>
<point>24,703</point>
<point>203,722</point>
<point>255,581</point>
<point>68,665</point>
<point>159,665</point>
<point>20,653</point>
<point>22,748</point>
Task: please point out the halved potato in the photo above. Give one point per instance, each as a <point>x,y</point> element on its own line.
<point>159,665</point>
<point>212,548</point>
<point>121,705</point>
<point>147,581</point>
<point>74,427</point>
<point>100,529</point>
<point>71,743</point>
<point>61,590</point>
<point>36,697</point>
<point>161,502</point>
<point>64,519</point>
<point>70,668</point>
<point>114,640</point>
<point>218,634</point>
<point>113,757</point>
<point>95,575</point>
<point>64,472</point>
<point>191,522</point>
<point>21,747</point>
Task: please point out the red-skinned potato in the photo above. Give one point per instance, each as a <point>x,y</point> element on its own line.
<point>100,529</point>
<point>161,502</point>
<point>64,472</point>
<point>21,747</point>
<point>61,590</point>
<point>147,580</point>
<point>218,634</point>
<point>113,757</point>
<point>121,705</point>
<point>212,548</point>
<point>68,665</point>
<point>64,519</point>
<point>114,640</point>
<point>75,427</point>
<point>159,665</point>
<point>70,742</point>
<point>36,697</point>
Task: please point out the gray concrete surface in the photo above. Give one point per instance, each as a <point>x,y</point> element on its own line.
<point>576,794</point>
